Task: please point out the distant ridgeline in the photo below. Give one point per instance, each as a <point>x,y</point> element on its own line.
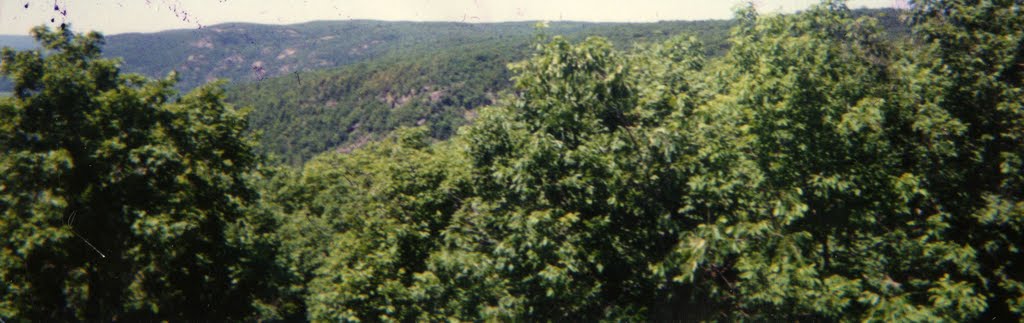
<point>337,84</point>
<point>818,166</point>
<point>17,43</point>
<point>435,81</point>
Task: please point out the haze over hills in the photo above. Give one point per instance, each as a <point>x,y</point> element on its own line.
<point>434,83</point>
<point>337,84</point>
<point>17,42</point>
<point>252,52</point>
<point>243,52</point>
<point>437,85</point>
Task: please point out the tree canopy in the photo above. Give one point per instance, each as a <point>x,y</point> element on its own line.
<point>119,199</point>
<point>819,170</point>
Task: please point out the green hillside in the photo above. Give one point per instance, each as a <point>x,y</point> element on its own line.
<point>822,169</point>
<point>241,52</point>
<point>252,52</point>
<point>302,114</point>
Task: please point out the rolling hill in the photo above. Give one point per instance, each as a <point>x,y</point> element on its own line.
<point>252,52</point>
<point>302,114</point>
<point>328,85</point>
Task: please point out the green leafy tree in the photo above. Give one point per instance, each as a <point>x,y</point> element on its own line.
<point>820,170</point>
<point>973,57</point>
<point>815,172</point>
<point>367,223</point>
<point>118,198</point>
<point>829,228</point>
<point>578,180</point>
<point>877,184</point>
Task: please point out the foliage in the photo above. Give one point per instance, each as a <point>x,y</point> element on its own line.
<point>118,198</point>
<point>365,223</point>
<point>303,114</point>
<point>438,85</point>
<point>251,52</point>
<point>819,170</point>
<point>975,61</point>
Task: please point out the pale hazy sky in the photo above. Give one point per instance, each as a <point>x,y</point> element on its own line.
<point>120,16</point>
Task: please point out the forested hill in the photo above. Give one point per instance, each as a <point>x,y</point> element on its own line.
<point>251,52</point>
<point>242,52</point>
<point>820,170</point>
<point>435,74</point>
<point>338,84</point>
<point>437,85</point>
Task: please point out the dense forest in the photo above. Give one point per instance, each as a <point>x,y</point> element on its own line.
<point>252,52</point>
<point>243,52</point>
<point>818,168</point>
<point>306,81</point>
<point>299,115</point>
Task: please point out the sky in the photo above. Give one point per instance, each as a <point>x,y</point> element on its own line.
<point>123,16</point>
